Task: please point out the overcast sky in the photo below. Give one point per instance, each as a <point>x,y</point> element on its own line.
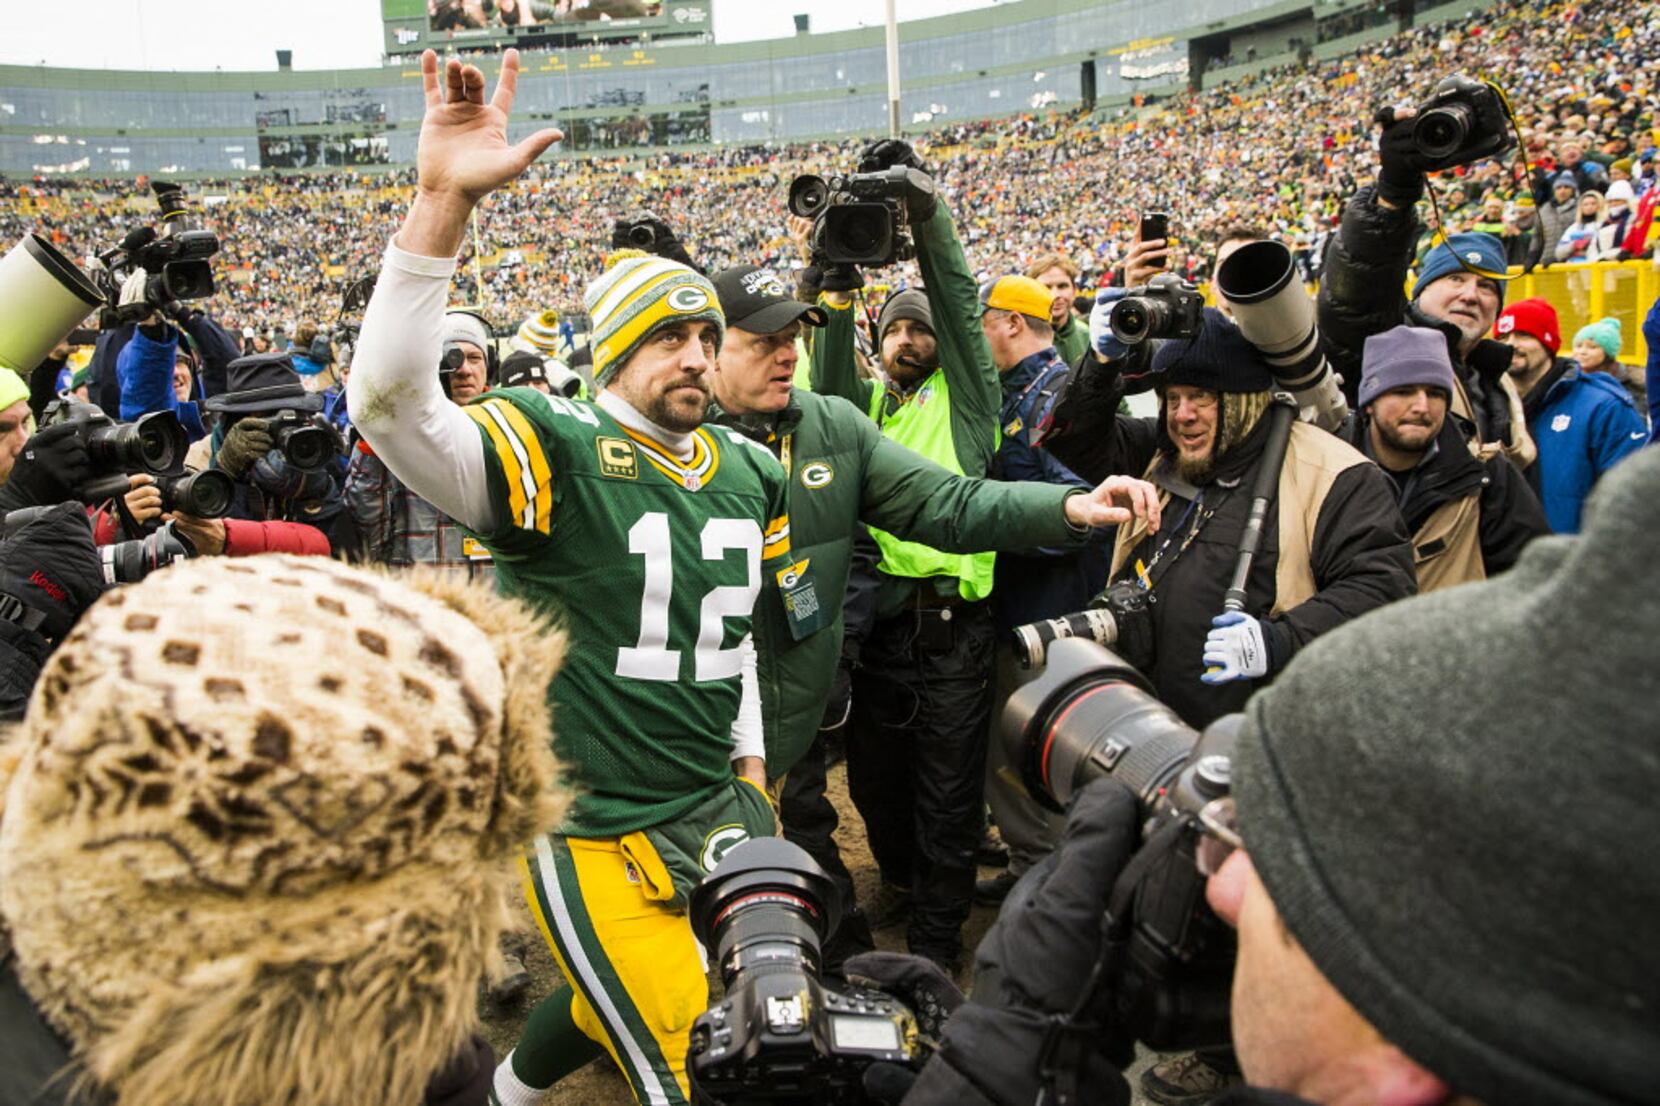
<point>328,34</point>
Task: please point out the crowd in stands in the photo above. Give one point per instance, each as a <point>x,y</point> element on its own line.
<point>1279,150</point>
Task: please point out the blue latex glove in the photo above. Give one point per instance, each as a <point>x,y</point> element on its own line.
<point>1235,649</point>
<point>1101,338</point>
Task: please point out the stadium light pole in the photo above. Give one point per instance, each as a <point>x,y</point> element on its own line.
<point>893,69</point>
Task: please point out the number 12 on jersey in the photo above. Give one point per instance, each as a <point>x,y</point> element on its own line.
<point>651,658</point>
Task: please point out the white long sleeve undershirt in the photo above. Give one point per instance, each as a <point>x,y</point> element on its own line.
<point>396,401</point>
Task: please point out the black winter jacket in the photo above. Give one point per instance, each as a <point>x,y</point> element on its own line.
<point>1362,292</point>
<point>1511,515</point>
<point>1362,553</point>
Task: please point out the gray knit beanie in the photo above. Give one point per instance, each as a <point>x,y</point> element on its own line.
<point>1451,802</point>
<point>1402,357</point>
<point>910,304</point>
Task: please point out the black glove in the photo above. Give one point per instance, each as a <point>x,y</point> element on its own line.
<point>1036,963</point>
<point>840,703</point>
<point>50,571</point>
<point>841,278</point>
<point>884,154</point>
<point>916,980</point>
<point>246,442</point>
<point>1400,166</point>
<point>649,233</point>
<point>53,467</point>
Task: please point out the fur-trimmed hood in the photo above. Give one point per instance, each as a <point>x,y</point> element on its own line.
<point>257,827</point>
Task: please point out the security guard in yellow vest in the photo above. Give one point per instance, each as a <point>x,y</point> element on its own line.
<point>1470,512</point>
<point>921,706</point>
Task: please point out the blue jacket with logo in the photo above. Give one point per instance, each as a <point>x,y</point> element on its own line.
<point>1583,423</point>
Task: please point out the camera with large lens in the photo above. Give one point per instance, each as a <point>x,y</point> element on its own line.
<point>308,442</point>
<point>781,1034</point>
<point>155,443</point>
<point>175,258</point>
<point>204,494</point>
<point>1463,121</point>
<point>1165,307</point>
<point>1091,715</point>
<point>1120,617</point>
<point>128,562</point>
<point>859,218</point>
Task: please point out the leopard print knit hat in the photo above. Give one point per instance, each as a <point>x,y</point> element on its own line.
<point>257,827</point>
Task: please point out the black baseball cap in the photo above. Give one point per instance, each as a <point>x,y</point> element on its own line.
<point>758,300</point>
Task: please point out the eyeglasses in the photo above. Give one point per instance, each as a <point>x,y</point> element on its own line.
<point>1219,835</point>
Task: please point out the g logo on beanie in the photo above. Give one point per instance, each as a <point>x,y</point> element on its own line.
<point>688,299</point>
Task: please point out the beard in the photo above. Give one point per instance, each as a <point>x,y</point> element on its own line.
<point>909,367</point>
<point>1195,470</point>
<point>1393,438</point>
<point>675,414</point>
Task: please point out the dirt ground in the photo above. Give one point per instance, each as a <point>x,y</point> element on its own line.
<point>600,1084</point>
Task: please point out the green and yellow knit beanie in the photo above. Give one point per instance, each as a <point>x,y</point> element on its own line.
<point>636,296</point>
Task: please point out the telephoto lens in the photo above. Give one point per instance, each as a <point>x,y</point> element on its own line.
<point>205,494</point>
<point>1091,715</point>
<point>1031,642</point>
<point>781,1034</point>
<point>128,562</point>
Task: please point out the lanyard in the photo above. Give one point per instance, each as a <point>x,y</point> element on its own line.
<point>784,453</point>
<point>1145,578</point>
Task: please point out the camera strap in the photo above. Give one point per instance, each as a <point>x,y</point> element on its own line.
<point>1204,514</point>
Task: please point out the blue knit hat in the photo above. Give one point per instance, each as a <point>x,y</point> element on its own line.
<point>1566,178</point>
<point>1605,333</point>
<point>1219,359</point>
<point>1404,356</point>
<point>1476,251</point>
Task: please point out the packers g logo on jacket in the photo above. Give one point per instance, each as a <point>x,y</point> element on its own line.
<point>817,474</point>
<point>719,842</point>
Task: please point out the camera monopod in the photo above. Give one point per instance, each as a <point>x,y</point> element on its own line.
<point>1281,414</point>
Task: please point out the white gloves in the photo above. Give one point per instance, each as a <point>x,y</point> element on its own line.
<point>1235,649</point>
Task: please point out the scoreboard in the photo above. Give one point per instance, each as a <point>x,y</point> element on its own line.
<point>415,25</point>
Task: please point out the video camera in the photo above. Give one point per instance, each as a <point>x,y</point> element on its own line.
<point>860,218</point>
<point>1165,307</point>
<point>781,1034</point>
<point>175,259</point>
<point>1091,715</point>
<point>1463,121</point>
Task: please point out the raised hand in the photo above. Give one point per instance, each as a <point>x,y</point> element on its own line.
<point>463,153</point>
<point>463,148</point>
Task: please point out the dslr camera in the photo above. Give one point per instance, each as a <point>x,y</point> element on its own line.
<point>782,1034</point>
<point>860,218</point>
<point>175,259</point>
<point>1168,959</point>
<point>308,441</point>
<point>1121,617</point>
<point>154,443</point>
<point>1165,307</point>
<point>1463,121</point>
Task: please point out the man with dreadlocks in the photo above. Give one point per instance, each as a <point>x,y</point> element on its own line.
<point>1334,545</point>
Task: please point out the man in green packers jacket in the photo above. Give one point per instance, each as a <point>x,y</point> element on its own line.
<point>922,692</point>
<point>843,472</point>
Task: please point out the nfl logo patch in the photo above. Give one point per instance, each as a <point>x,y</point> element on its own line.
<point>1561,423</point>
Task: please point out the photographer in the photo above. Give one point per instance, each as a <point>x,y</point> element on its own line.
<point>926,669</point>
<point>1334,545</point>
<point>1391,948</point>
<point>1470,512</point>
<point>17,420</point>
<point>394,525</point>
<point>1459,289</point>
<point>279,507</point>
<point>49,575</point>
<point>147,369</point>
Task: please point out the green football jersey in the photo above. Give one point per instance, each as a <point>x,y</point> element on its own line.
<point>654,568</point>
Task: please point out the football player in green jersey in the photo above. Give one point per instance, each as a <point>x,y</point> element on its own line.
<point>649,535</point>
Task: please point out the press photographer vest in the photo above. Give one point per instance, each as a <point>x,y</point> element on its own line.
<point>1446,550</point>
<point>923,425</point>
<point>1313,461</point>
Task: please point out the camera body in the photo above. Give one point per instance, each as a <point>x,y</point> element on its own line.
<point>176,259</point>
<point>781,1034</point>
<point>307,441</point>
<point>860,218</point>
<point>155,443</point>
<point>1165,307</point>
<point>1121,617</point>
<point>1464,120</point>
<point>1089,714</point>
